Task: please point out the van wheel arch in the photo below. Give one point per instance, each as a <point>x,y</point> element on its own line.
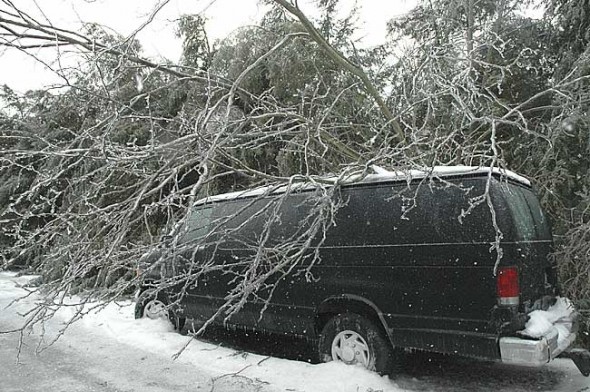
<point>351,312</point>
<point>349,303</point>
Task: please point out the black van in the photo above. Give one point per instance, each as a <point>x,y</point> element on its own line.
<point>448,260</point>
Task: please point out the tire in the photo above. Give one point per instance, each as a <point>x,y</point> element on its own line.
<point>353,339</point>
<point>157,307</point>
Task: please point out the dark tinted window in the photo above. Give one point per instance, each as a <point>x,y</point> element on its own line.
<point>542,225</point>
<point>273,220</point>
<point>236,221</point>
<point>246,222</point>
<point>521,213</point>
<point>529,219</point>
<point>197,225</point>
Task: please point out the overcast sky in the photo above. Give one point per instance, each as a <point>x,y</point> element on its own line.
<point>21,72</point>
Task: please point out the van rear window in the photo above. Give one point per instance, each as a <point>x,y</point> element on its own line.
<point>542,224</point>
<point>521,212</point>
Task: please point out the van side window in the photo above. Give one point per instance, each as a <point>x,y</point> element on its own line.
<point>240,222</point>
<point>244,222</point>
<point>197,225</point>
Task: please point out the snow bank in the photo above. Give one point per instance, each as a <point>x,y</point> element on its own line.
<point>159,338</point>
<point>13,287</point>
<point>12,283</point>
<point>558,316</point>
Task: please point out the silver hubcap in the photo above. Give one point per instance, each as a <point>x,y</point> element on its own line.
<point>155,309</point>
<point>350,348</point>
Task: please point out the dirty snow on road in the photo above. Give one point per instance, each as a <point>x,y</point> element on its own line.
<point>108,350</point>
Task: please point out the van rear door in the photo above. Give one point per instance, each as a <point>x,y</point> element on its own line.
<point>529,243</point>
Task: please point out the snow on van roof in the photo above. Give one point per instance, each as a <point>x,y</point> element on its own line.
<point>379,175</point>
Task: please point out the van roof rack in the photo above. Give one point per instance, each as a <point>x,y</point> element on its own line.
<point>379,175</point>
<point>446,171</point>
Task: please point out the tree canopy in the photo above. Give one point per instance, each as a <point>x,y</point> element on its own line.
<point>93,174</point>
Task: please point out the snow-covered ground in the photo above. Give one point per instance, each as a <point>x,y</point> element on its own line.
<point>120,353</point>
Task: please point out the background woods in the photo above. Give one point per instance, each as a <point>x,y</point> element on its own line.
<point>93,173</point>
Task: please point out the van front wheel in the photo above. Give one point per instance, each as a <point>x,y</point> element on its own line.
<point>155,307</point>
<point>353,339</point>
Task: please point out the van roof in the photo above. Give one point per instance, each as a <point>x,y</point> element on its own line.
<point>380,175</point>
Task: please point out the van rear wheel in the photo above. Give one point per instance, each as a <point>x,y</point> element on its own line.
<point>353,339</point>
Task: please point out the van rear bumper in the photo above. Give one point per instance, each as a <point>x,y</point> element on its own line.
<point>534,352</point>
<point>526,347</point>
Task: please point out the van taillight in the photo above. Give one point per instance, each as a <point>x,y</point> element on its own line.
<point>507,286</point>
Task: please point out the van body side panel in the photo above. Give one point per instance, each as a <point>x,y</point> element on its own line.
<point>393,246</point>
<point>417,287</point>
<point>431,275</point>
<point>406,247</point>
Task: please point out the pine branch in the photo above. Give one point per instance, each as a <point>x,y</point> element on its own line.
<point>348,65</point>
